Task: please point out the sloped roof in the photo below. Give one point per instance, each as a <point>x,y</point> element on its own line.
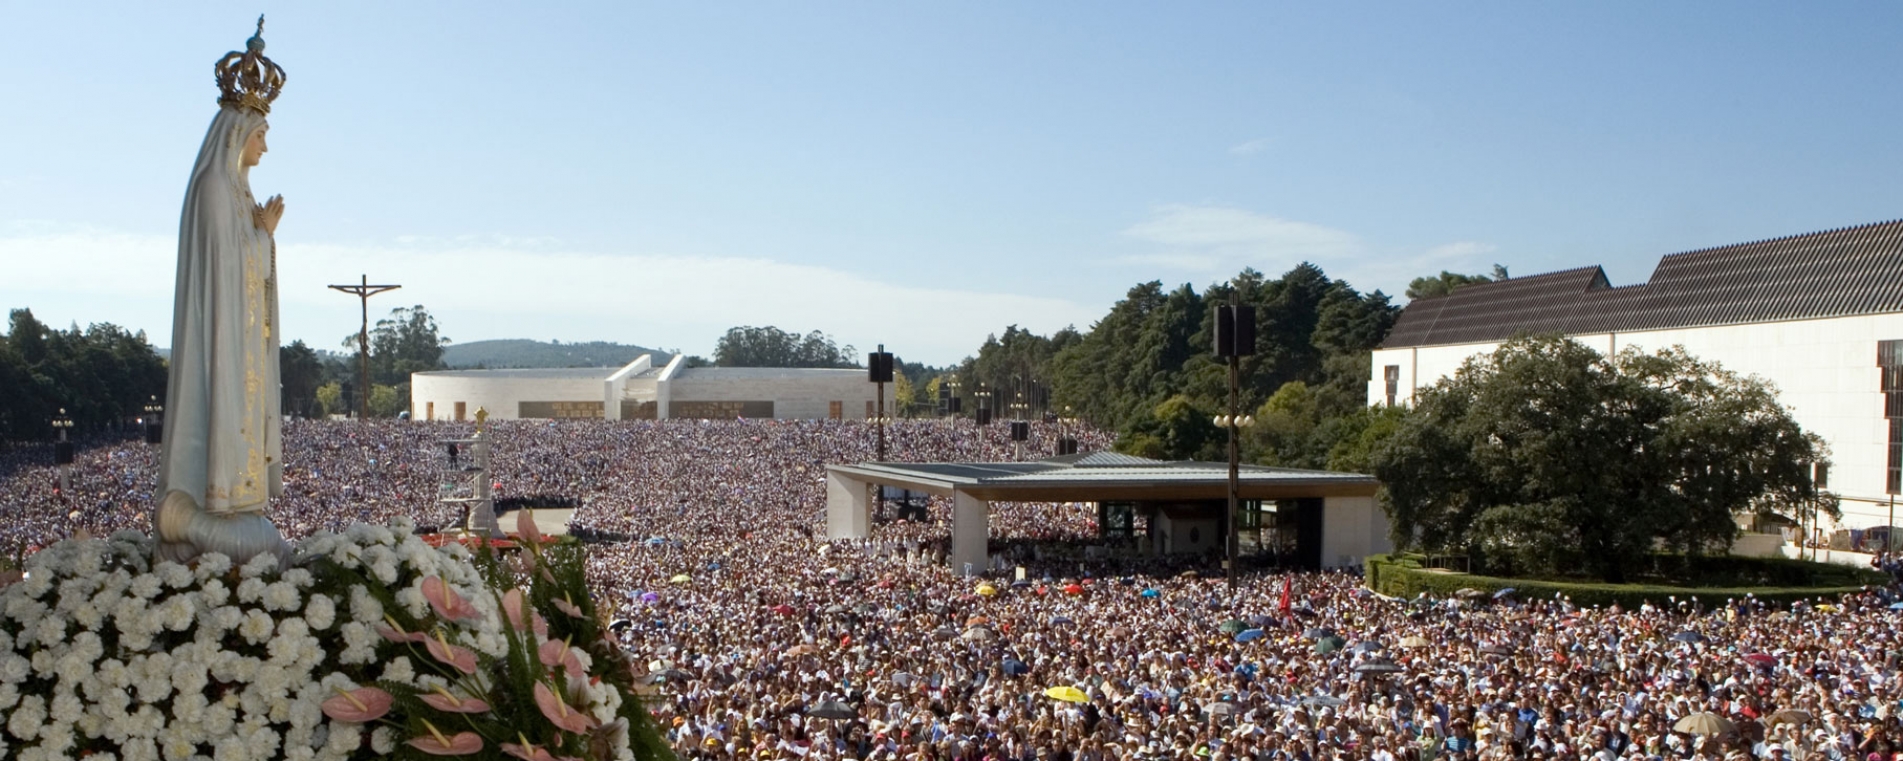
<point>1836,273</point>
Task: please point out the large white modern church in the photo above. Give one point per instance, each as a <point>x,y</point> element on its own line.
<point>1819,315</point>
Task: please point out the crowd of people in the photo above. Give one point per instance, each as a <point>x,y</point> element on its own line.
<point>766,640</point>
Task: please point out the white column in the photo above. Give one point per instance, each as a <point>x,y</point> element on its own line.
<point>1352,529</point>
<point>848,510</point>
<point>971,533</point>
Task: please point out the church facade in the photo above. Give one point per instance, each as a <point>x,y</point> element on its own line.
<point>1818,315</point>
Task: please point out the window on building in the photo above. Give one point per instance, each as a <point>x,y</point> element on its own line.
<point>1895,485</point>
<point>1393,374</point>
<point>835,410</point>
<point>1820,475</point>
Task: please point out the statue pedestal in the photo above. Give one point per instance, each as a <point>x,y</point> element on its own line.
<point>185,531</point>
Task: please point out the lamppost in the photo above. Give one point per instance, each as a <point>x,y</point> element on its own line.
<point>1234,339</point>
<point>1066,422</point>
<point>154,421</point>
<point>63,451</point>
<point>955,403</point>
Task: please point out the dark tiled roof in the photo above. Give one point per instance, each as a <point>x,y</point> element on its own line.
<point>1837,273</point>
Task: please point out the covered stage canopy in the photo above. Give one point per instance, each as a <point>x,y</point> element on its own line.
<point>1346,523</point>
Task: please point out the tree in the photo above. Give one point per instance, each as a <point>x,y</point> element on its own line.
<point>1446,282</point>
<point>102,376</point>
<point>406,342</point>
<point>384,401</point>
<point>330,399</point>
<point>748,346</point>
<point>1177,429</point>
<point>1546,455</point>
<point>300,372</point>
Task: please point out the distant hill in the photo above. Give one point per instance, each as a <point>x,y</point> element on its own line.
<point>523,352</point>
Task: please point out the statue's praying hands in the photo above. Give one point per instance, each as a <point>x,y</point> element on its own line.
<point>267,215</point>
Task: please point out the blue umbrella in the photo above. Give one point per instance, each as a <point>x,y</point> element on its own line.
<point>1896,606</point>
<point>1503,593</point>
<point>1060,620</point>
<point>1263,621</point>
<point>1152,593</point>
<point>1015,667</point>
<point>1688,637</point>
<point>1249,635</point>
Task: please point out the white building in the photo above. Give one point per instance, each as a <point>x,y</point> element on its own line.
<point>642,391</point>
<point>1818,315</point>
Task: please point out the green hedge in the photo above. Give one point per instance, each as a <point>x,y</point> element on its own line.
<point>1789,580</point>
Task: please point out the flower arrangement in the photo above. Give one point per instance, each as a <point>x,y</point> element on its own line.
<point>371,644</point>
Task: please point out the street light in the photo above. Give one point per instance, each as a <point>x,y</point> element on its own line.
<point>1234,339</point>
<point>63,451</point>
<point>1065,422</point>
<point>955,403</point>
<point>154,421</point>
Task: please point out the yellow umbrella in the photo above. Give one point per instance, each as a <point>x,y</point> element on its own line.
<point>1067,694</point>
<point>986,590</point>
<point>681,578</point>
<point>1415,641</point>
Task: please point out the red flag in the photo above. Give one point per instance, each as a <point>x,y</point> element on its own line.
<point>1287,585</point>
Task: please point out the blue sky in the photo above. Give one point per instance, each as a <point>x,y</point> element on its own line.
<point>922,174</point>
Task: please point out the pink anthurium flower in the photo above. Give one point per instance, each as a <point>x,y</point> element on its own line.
<point>394,632</point>
<point>444,700</point>
<point>527,751</point>
<point>555,652</point>
<point>449,605</point>
<point>461,657</point>
<point>360,705</point>
<point>514,603</point>
<point>565,606</point>
<point>538,623</point>
<point>525,528</point>
<point>559,713</point>
<point>435,744</point>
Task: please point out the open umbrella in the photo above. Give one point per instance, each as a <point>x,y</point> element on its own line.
<point>1060,620</point>
<point>834,610</point>
<point>1263,622</point>
<point>1329,644</point>
<point>1221,709</point>
<point>1896,606</point>
<point>1503,592</point>
<point>801,649</point>
<point>1415,642</point>
<point>979,634</point>
<point>977,621</point>
<point>1152,593</point>
<point>1688,636</point>
<point>1496,650</point>
<point>650,596</point>
<point>1366,646</point>
<point>680,578</point>
<point>1318,632</point>
<point>1015,667</point>
<point>674,675</point>
<point>987,590</point>
<point>944,633</point>
<point>1704,723</point>
<point>1249,635</point>
<point>1067,694</point>
<point>1788,716</point>
<point>832,709</point>
<point>1073,589</point>
<point>1233,625</point>
<point>865,609</point>
<point>1378,666</point>
<point>782,609</point>
<point>1761,660</point>
<point>1189,574</point>
<point>1469,593</point>
<point>1324,701</point>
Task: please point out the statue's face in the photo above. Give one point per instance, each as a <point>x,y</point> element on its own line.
<point>254,146</point>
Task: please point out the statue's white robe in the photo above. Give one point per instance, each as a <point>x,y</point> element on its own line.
<point>222,446</point>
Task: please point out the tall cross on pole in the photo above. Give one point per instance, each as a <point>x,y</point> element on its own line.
<point>364,290</point>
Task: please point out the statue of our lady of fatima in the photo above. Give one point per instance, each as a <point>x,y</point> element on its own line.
<point>222,459</point>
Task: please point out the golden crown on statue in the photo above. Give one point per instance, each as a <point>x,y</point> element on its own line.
<point>247,79</point>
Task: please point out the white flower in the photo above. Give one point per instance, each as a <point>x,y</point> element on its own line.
<point>146,586</point>
<point>259,565</point>
<point>250,590</point>
<point>214,592</point>
<point>413,601</point>
<point>360,643</point>
<point>364,606</point>
<point>211,565</point>
<point>14,669</point>
<point>28,717</point>
<point>383,741</point>
<point>256,627</point>
<point>399,670</point>
<point>174,575</point>
<point>320,612</point>
<point>280,596</point>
